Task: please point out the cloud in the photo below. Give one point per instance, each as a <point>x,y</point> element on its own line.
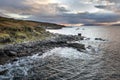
<point>112,5</point>
<point>44,7</point>
<point>115,1</point>
<point>61,11</point>
<point>32,7</point>
<point>80,18</point>
<point>78,5</point>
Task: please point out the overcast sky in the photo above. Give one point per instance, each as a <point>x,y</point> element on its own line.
<point>69,12</point>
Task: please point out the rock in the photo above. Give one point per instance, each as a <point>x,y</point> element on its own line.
<point>16,59</point>
<point>99,39</point>
<point>30,48</point>
<point>2,52</point>
<point>11,53</point>
<point>5,40</point>
<point>3,72</point>
<point>79,34</point>
<point>61,42</point>
<point>86,38</point>
<point>77,46</point>
<point>89,47</point>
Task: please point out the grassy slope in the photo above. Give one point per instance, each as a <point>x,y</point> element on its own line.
<point>14,31</point>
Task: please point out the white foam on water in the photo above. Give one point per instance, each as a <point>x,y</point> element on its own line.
<point>68,53</point>
<point>19,67</point>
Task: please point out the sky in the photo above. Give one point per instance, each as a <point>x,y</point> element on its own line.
<point>67,12</point>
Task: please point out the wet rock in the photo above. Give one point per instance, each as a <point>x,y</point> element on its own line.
<point>30,48</point>
<point>77,46</point>
<point>3,72</point>
<point>10,53</point>
<point>86,38</point>
<point>99,39</point>
<point>79,34</point>
<point>89,47</point>
<point>16,59</point>
<point>2,52</point>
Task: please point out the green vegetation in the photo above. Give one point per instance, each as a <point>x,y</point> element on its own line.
<point>15,31</point>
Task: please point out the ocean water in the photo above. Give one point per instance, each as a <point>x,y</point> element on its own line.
<point>106,65</point>
<point>100,60</point>
<point>107,32</point>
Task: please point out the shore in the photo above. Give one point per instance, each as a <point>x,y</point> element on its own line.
<point>12,52</point>
<point>64,57</point>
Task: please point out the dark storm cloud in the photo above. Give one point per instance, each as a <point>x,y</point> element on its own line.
<point>84,18</point>
<point>96,18</point>
<point>101,6</point>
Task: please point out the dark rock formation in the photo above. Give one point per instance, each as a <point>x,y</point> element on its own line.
<point>100,39</point>
<point>79,34</point>
<point>77,46</point>
<point>30,48</point>
<point>3,72</point>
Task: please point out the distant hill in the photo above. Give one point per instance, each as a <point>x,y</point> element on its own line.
<point>116,24</point>
<point>9,22</point>
<point>89,25</point>
<point>14,31</point>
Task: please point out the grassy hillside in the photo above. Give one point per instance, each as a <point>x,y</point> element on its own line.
<point>14,31</point>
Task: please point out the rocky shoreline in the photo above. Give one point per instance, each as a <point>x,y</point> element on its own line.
<point>12,52</point>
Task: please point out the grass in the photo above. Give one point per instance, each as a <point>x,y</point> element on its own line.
<point>17,31</point>
<point>3,35</point>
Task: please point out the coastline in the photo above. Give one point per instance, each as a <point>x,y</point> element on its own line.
<point>12,52</point>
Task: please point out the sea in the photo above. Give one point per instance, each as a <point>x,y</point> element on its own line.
<point>100,60</point>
